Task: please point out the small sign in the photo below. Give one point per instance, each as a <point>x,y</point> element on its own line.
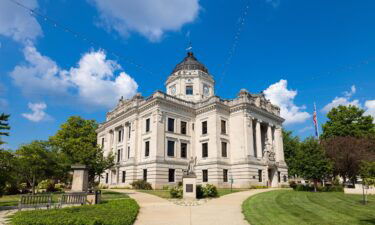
<point>189,188</point>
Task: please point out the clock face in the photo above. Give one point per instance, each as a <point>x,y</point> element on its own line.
<point>173,89</point>
<point>206,90</point>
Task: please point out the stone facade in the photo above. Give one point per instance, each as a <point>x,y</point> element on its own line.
<point>236,141</point>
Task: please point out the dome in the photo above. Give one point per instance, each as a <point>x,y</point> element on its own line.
<point>190,63</point>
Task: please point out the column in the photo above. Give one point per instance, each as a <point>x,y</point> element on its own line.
<point>269,133</point>
<point>249,137</point>
<point>280,144</point>
<point>258,139</point>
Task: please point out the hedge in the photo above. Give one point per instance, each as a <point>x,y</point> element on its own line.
<point>116,212</point>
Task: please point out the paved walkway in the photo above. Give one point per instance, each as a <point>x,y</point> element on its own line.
<point>4,214</point>
<point>220,211</point>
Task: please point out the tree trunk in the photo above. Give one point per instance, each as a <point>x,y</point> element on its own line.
<point>33,185</point>
<point>315,184</point>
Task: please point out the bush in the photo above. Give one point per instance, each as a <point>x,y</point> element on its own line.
<point>141,184</point>
<point>11,189</point>
<point>293,184</point>
<point>199,191</point>
<point>116,212</point>
<point>301,187</point>
<point>176,192</point>
<point>210,191</point>
<point>258,187</point>
<point>335,188</point>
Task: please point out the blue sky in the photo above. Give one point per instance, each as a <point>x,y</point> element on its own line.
<point>297,52</point>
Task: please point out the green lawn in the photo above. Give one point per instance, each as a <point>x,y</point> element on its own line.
<point>12,200</point>
<point>165,193</point>
<point>114,212</point>
<point>295,207</point>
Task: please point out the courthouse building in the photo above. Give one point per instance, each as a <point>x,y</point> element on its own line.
<point>236,141</point>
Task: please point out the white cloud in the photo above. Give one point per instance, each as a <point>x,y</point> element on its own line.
<point>370,108</point>
<point>279,95</point>
<point>95,81</point>
<point>305,129</point>
<point>151,18</point>
<point>37,112</point>
<point>17,23</point>
<point>345,101</point>
<point>39,75</point>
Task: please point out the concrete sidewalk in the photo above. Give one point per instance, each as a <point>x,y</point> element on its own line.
<point>225,210</point>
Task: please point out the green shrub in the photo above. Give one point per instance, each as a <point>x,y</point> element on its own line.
<point>141,184</point>
<point>285,186</point>
<point>210,191</point>
<point>116,212</point>
<point>176,192</point>
<point>301,187</point>
<point>199,191</point>
<point>258,187</point>
<point>165,187</point>
<point>334,188</point>
<point>293,184</point>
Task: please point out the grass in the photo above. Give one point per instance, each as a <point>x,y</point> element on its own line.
<point>298,207</point>
<point>165,193</point>
<point>12,200</point>
<point>116,212</point>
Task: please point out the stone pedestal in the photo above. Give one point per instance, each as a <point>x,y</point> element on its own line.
<point>189,182</point>
<point>80,178</point>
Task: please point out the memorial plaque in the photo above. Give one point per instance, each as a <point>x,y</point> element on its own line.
<point>189,188</point>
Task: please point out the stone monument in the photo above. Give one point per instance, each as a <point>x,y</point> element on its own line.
<point>80,178</point>
<point>189,181</point>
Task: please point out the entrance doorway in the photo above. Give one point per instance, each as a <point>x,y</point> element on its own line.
<point>272,181</point>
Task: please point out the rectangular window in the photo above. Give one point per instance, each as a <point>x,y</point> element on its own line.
<point>148,125</point>
<point>284,178</point>
<point>278,176</point>
<point>145,174</point>
<point>129,131</point>
<point>204,150</point>
<point>102,142</point>
<point>106,178</point>
<point>120,136</point>
<point>204,127</point>
<point>260,175</point>
<point>225,175</point>
<point>183,150</point>
<point>123,176</point>
<point>189,90</point>
<point>128,152</point>
<point>147,148</point>
<point>223,127</point>
<point>205,175</point>
<point>224,152</point>
<point>171,173</point>
<point>170,124</point>
<point>170,150</point>
<point>118,155</point>
<point>183,127</point>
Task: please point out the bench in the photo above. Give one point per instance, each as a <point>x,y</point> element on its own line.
<point>72,199</point>
<point>35,201</point>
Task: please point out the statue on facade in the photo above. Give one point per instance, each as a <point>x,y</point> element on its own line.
<point>191,165</point>
<point>269,151</point>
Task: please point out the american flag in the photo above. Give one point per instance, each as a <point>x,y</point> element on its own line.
<point>315,119</point>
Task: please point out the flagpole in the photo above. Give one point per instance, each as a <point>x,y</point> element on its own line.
<point>316,122</point>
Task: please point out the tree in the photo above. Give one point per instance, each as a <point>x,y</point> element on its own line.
<point>6,168</point>
<point>35,162</point>
<point>367,172</point>
<point>312,162</point>
<point>4,125</point>
<point>78,141</point>
<point>346,153</point>
<point>348,121</point>
<point>291,147</point>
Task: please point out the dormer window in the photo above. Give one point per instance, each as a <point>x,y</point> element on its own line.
<point>189,90</point>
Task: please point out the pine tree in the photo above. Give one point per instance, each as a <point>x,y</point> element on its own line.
<point>4,126</point>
